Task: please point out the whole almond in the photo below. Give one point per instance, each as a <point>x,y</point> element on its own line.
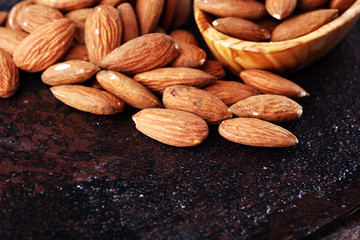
<point>269,107</point>
<point>303,24</point>
<point>76,52</point>
<point>9,75</point>
<point>88,99</point>
<point>11,19</point>
<point>197,101</point>
<point>185,36</point>
<point>148,13</point>
<point>268,82</point>
<point>113,3</point>
<point>256,132</point>
<point>171,127</point>
<point>79,15</point>
<point>69,72</point>
<point>3,16</point>
<point>142,54</point>
<point>183,10</point>
<point>280,9</point>
<point>103,32</point>
<point>67,5</point>
<point>158,80</point>
<point>56,37</point>
<point>129,21</point>
<point>190,56</point>
<point>230,92</point>
<point>10,39</point>
<point>310,4</point>
<point>248,9</point>
<point>168,14</point>
<point>214,68</point>
<point>127,89</point>
<point>341,5</point>
<point>241,28</point>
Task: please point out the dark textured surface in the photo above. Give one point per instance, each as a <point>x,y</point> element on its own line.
<point>69,174</point>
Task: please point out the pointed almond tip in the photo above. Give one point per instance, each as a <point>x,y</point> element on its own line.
<point>300,112</point>
<point>215,23</point>
<point>277,16</point>
<point>303,94</point>
<point>296,141</point>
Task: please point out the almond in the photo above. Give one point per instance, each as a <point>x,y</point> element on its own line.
<point>256,132</point>
<point>303,24</point>
<point>69,72</point>
<point>214,68</point>
<point>148,13</point>
<point>341,5</point>
<point>190,56</point>
<point>11,19</point>
<point>3,16</point>
<point>88,99</point>
<point>268,82</point>
<point>197,101</point>
<point>79,15</point>
<point>230,92</point>
<point>77,52</point>
<point>142,54</point>
<point>185,36</point>
<point>171,127</point>
<point>273,108</point>
<point>182,12</point>
<point>127,89</point>
<point>9,75</point>
<point>103,32</point>
<point>168,14</point>
<point>158,80</point>
<point>113,3</point>
<point>10,39</point>
<point>280,9</point>
<point>67,5</point>
<point>310,4</point>
<point>248,9</point>
<point>241,28</point>
<point>129,21</point>
<point>56,37</point>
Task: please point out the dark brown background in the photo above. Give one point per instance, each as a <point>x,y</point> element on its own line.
<point>70,174</point>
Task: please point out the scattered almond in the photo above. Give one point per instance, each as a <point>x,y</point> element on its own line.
<point>190,56</point>
<point>214,68</point>
<point>129,21</point>
<point>148,13</point>
<point>9,75</point>
<point>11,19</point>
<point>168,14</point>
<point>185,36</point>
<point>10,39</point>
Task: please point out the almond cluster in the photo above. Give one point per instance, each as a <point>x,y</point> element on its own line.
<point>274,20</point>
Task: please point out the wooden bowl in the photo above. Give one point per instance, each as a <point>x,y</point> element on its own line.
<point>281,57</point>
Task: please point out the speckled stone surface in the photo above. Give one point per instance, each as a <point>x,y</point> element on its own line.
<point>69,174</point>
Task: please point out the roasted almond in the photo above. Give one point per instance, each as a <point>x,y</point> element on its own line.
<point>230,92</point>
<point>9,75</point>
<point>269,107</point>
<point>190,56</point>
<point>69,72</point>
<point>45,46</point>
<point>103,32</point>
<point>148,13</point>
<point>11,18</point>
<point>142,54</point>
<point>127,89</point>
<point>159,79</point>
<point>256,132</point>
<point>67,5</point>
<point>310,4</point>
<point>280,9</point>
<point>10,39</point>
<point>88,99</point>
<point>185,36</point>
<point>171,127</point>
<point>341,5</point>
<point>129,21</point>
<point>268,82</point>
<point>76,52</point>
<point>197,101</point>
<point>214,68</point>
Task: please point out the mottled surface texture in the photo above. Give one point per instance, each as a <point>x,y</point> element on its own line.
<point>69,174</point>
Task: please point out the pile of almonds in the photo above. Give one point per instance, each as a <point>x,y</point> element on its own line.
<point>99,56</point>
<point>274,20</point>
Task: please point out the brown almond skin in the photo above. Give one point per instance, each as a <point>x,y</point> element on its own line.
<point>310,4</point>
<point>69,72</point>
<point>241,28</point>
<point>148,13</point>
<point>303,24</point>
<point>56,37</point>
<point>185,36</point>
<point>158,80</point>
<point>171,127</point>
<point>341,5</point>
<point>190,56</point>
<point>280,9</point>
<point>88,99</point>
<point>9,75</point>
<point>11,19</point>
<point>10,39</point>
<point>168,15</point>
<point>268,82</point>
<point>79,15</point>
<point>3,16</point>
<point>256,132</point>
<point>142,54</point>
<point>197,101</point>
<point>127,89</point>
<point>214,68</point>
<point>129,22</point>
<point>103,32</point>
<point>182,12</point>
<point>68,5</point>
<point>248,9</point>
<point>269,107</point>
<point>77,52</point>
<point>230,92</point>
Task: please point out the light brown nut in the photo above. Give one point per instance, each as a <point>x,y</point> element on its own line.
<point>168,14</point>
<point>103,32</point>
<point>79,15</point>
<point>148,13</point>
<point>69,72</point>
<point>190,56</point>
<point>9,75</point>
<point>88,99</point>
<point>11,19</point>
<point>341,5</point>
<point>185,36</point>
<point>241,28</point>
<point>230,92</point>
<point>182,12</point>
<point>142,54</point>
<point>127,89</point>
<point>310,4</point>
<point>268,82</point>
<point>158,80</point>
<point>248,9</point>
<point>56,37</point>
<point>77,52</point>
<point>256,132</point>
<point>10,39</point>
<point>113,3</point>
<point>303,24</point>
<point>269,107</point>
<point>67,5</point>
<point>197,101</point>
<point>214,68</point>
<point>129,22</point>
<point>280,9</point>
<point>3,16</point>
<point>171,127</point>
